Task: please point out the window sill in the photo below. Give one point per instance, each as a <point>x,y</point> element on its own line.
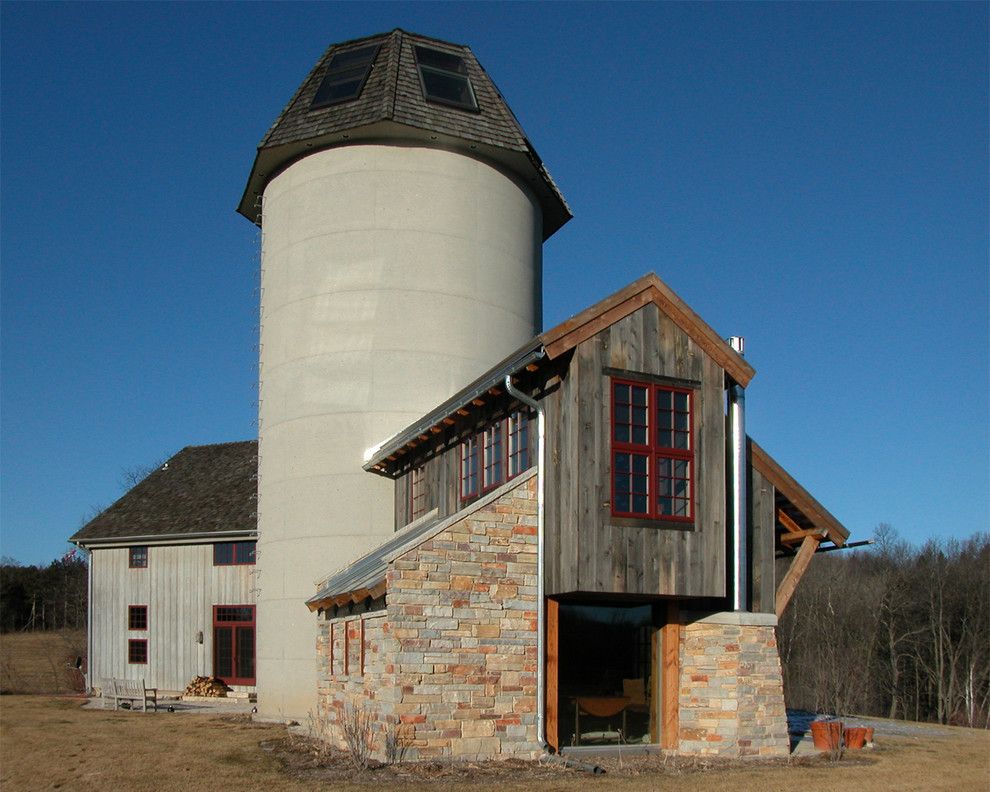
<point>646,522</point>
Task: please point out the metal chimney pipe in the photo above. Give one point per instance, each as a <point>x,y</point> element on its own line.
<point>737,428</point>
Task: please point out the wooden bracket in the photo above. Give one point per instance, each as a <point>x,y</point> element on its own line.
<point>797,569</point>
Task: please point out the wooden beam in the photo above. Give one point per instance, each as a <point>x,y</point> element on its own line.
<point>785,519</point>
<point>801,533</point>
<point>797,569</point>
<point>552,673</point>
<point>670,679</point>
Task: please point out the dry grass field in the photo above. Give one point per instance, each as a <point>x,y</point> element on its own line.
<point>41,662</point>
<point>52,743</point>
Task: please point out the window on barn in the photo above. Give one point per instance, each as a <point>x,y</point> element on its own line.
<point>345,76</point>
<point>499,452</point>
<point>518,434</point>
<point>137,651</point>
<point>137,557</point>
<point>417,493</point>
<point>233,553</point>
<point>233,644</point>
<point>469,467</point>
<point>652,451</point>
<point>137,617</point>
<point>444,78</point>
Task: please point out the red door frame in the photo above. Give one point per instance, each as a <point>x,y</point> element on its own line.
<point>234,626</point>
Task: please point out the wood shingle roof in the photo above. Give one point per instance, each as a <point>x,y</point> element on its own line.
<point>391,108</point>
<point>209,489</point>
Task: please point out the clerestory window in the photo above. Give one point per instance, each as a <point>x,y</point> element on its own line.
<point>345,77</point>
<point>652,451</point>
<point>444,78</point>
<point>494,455</point>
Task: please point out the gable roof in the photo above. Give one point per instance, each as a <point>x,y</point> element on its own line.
<point>794,500</point>
<point>541,352</point>
<point>202,490</point>
<point>391,107</point>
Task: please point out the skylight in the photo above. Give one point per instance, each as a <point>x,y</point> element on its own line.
<point>444,78</point>
<point>345,76</point>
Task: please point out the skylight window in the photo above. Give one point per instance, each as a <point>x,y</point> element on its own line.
<point>345,76</point>
<point>444,78</point>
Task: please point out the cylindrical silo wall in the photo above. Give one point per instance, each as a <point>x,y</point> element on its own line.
<point>391,277</point>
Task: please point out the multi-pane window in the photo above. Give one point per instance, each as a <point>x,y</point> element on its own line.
<point>517,430</point>
<point>491,440</point>
<point>652,451</point>
<point>444,78</point>
<point>234,644</point>
<point>417,493</point>
<point>469,467</point>
<point>345,76</point>
<point>137,617</point>
<point>137,557</point>
<point>233,553</point>
<point>494,455</point>
<point>137,651</point>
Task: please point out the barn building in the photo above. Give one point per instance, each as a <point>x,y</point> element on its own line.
<point>577,557</point>
<point>507,538</point>
<point>172,573</point>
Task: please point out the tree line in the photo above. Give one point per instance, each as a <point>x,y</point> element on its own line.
<point>895,631</point>
<point>49,597</point>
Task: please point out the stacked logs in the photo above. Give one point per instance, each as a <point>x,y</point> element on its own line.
<point>207,686</point>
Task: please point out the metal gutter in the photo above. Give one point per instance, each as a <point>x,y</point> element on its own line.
<point>89,621</point>
<point>541,457</point>
<point>531,351</point>
<point>186,538</point>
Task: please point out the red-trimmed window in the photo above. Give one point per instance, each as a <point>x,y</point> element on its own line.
<point>137,651</point>
<point>137,557</point>
<point>417,493</point>
<point>494,455</point>
<point>233,643</point>
<point>652,451</point>
<point>491,450</point>
<point>137,617</point>
<point>469,467</point>
<point>233,553</point>
<point>517,432</point>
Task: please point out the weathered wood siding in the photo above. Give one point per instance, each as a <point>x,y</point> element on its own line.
<point>443,479</point>
<point>588,550</point>
<point>180,586</point>
<point>762,527</point>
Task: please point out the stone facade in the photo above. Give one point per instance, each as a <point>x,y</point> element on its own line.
<point>731,691</point>
<point>449,666</point>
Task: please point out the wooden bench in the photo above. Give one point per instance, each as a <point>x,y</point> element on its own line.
<point>130,690</point>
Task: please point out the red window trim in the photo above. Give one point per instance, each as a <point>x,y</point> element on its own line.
<point>503,464</point>
<point>134,609</point>
<point>131,554</point>
<point>238,549</point>
<point>132,643</point>
<point>252,623</point>
<point>417,493</point>
<point>653,451</point>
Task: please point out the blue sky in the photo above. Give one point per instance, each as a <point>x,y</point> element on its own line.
<point>813,177</point>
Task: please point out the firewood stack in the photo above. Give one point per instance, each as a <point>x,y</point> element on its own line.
<point>207,686</point>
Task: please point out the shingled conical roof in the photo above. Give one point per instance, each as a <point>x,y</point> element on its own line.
<point>391,107</point>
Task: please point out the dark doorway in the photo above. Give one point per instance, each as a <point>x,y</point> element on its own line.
<point>233,644</point>
<point>607,662</point>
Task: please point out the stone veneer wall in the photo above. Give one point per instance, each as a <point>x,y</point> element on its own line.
<point>451,662</point>
<point>731,691</point>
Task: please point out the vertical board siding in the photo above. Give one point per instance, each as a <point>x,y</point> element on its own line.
<point>762,529</point>
<point>180,586</point>
<point>589,550</point>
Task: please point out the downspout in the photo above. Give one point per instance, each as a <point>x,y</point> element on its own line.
<point>541,649</point>
<point>737,426</point>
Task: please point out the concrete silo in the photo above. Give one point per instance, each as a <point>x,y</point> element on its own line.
<point>403,213</point>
